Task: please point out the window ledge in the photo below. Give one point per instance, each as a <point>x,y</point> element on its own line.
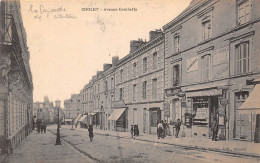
<point>205,41</point>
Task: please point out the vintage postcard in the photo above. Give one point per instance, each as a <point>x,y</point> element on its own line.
<point>129,81</point>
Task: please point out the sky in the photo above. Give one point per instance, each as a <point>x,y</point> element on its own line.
<point>68,43</point>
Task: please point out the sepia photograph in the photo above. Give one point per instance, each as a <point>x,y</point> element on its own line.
<point>129,81</point>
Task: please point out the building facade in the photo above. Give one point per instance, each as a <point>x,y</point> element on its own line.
<point>44,111</point>
<point>211,52</point>
<point>72,106</point>
<point>16,87</point>
<point>140,83</point>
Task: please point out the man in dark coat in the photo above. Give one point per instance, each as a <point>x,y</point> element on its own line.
<point>38,124</point>
<point>90,131</point>
<point>177,127</point>
<point>214,129</point>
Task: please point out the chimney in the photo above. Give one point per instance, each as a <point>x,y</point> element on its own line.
<point>46,99</point>
<point>154,34</point>
<point>115,60</point>
<point>106,67</point>
<point>99,72</point>
<point>135,44</point>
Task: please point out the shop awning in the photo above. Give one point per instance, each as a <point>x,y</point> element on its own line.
<point>116,114</point>
<point>210,92</point>
<point>68,120</point>
<point>78,117</point>
<point>82,118</point>
<point>93,113</point>
<point>252,103</point>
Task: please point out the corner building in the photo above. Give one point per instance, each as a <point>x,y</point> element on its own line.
<point>16,87</point>
<point>140,84</point>
<point>211,55</point>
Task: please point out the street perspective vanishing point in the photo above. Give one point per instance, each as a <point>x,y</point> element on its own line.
<point>129,81</point>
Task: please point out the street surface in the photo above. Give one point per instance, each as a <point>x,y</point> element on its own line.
<point>76,147</point>
<point>114,149</point>
<point>41,148</point>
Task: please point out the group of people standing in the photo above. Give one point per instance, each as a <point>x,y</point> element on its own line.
<point>163,128</point>
<point>41,126</point>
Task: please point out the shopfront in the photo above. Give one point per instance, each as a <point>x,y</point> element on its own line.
<point>118,119</point>
<point>155,118</point>
<point>198,111</point>
<point>247,109</point>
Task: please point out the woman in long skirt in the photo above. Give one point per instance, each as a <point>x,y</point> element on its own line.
<point>90,131</point>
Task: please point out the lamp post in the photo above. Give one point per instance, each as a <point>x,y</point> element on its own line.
<point>57,102</point>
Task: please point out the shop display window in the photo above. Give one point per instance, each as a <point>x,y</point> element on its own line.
<point>201,111</point>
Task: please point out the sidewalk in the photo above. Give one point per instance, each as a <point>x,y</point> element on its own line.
<point>42,148</point>
<point>234,147</point>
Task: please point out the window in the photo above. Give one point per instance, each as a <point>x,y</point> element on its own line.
<point>134,69</point>
<point>121,75</point>
<point>121,94</point>
<point>155,61</point>
<point>242,58</point>
<point>176,75</point>
<point>106,86</point>
<point>134,92</point>
<point>154,88</point>
<point>176,44</point>
<point>145,65</point>
<point>205,68</point>
<point>98,88</point>
<point>135,116</point>
<point>244,12</point>
<point>112,83</point>
<point>144,89</point>
<point>206,26</point>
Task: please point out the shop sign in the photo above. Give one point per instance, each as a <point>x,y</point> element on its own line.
<point>223,102</point>
<point>192,64</point>
<point>172,92</point>
<point>221,111</point>
<point>220,56</point>
<point>166,109</point>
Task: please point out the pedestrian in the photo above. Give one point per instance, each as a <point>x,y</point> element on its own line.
<point>38,124</point>
<point>177,127</point>
<point>164,129</point>
<point>159,130</point>
<point>90,132</point>
<point>44,126</point>
<point>132,131</point>
<point>214,129</point>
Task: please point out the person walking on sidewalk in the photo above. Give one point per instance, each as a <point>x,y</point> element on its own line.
<point>133,131</point>
<point>177,127</point>
<point>159,130</point>
<point>44,127</point>
<point>214,129</point>
<point>164,129</point>
<point>90,132</point>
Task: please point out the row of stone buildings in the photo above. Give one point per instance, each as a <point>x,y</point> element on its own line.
<point>203,64</point>
<point>16,87</point>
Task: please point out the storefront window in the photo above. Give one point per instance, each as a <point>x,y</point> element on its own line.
<point>201,111</point>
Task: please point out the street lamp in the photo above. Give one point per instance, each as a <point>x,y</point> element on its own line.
<point>57,102</point>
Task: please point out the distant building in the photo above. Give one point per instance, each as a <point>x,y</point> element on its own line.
<point>72,106</point>
<point>44,110</point>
